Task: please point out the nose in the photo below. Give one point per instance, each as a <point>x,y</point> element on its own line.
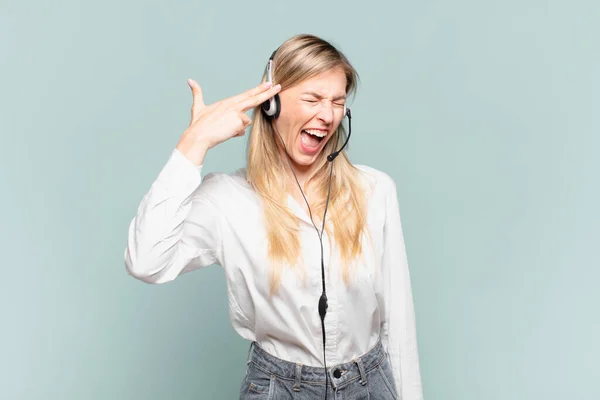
<point>326,113</point>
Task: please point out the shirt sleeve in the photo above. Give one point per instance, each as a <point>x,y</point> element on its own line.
<point>176,228</point>
<point>399,325</point>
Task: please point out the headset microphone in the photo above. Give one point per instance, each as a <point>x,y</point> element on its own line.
<point>333,155</point>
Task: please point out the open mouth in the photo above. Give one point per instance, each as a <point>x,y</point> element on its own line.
<point>311,138</point>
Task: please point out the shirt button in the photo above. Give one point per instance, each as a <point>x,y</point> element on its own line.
<point>337,373</point>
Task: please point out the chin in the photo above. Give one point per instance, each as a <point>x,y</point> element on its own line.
<point>306,159</point>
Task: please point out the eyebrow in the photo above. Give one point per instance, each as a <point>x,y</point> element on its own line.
<point>318,96</point>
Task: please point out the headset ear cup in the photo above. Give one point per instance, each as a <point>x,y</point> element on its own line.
<point>268,106</point>
<point>271,107</point>
<point>265,107</point>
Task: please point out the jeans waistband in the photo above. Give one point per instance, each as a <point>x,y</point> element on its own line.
<point>339,374</point>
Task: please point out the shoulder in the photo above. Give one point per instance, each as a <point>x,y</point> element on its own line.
<point>224,179</point>
<point>222,186</point>
<point>377,180</point>
<point>381,194</point>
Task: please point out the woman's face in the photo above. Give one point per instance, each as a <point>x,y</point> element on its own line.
<point>310,113</point>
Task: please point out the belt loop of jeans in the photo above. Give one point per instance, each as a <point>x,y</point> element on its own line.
<point>249,351</point>
<point>298,376</point>
<point>361,369</point>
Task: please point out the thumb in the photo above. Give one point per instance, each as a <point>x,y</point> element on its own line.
<point>198,100</point>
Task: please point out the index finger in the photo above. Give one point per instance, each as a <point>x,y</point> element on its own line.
<point>258,98</point>
<point>249,93</point>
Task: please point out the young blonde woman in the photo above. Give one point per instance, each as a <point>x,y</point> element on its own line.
<point>312,246</point>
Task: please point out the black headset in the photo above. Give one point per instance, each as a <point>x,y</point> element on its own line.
<point>271,108</point>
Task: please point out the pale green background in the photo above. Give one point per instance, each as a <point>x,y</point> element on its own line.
<point>485,114</point>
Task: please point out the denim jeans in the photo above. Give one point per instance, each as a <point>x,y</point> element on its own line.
<point>366,377</point>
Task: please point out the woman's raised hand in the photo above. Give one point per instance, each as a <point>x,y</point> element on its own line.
<point>215,123</point>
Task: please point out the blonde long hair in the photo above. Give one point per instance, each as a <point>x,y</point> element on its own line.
<point>297,59</point>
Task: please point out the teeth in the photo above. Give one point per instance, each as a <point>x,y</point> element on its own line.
<point>316,132</point>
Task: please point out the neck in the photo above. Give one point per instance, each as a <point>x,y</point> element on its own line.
<point>301,172</point>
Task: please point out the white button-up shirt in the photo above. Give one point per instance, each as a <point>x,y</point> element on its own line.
<point>188,221</point>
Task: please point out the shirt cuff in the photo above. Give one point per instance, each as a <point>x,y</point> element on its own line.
<point>178,154</point>
<point>179,175</point>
